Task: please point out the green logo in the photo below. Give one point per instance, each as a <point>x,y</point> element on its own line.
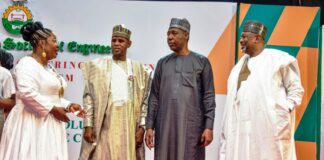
<point>15,17</point>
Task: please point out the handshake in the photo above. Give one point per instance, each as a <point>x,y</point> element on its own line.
<point>60,112</point>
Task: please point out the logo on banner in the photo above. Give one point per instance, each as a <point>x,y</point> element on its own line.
<point>15,17</point>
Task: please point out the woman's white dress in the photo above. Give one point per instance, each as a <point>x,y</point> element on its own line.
<point>31,132</point>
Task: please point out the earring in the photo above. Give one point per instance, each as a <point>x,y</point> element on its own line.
<point>44,54</point>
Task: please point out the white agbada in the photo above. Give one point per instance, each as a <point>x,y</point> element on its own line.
<point>7,86</point>
<point>7,89</point>
<point>258,124</point>
<point>31,132</point>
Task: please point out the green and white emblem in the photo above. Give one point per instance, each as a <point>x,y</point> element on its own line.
<point>15,17</point>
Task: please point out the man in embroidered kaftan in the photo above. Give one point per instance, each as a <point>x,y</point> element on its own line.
<point>115,99</point>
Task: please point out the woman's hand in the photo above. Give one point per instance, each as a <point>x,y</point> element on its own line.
<point>60,114</point>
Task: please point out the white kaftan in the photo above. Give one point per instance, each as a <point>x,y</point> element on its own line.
<point>259,118</point>
<point>7,89</point>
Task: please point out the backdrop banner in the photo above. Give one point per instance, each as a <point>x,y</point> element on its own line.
<point>84,31</point>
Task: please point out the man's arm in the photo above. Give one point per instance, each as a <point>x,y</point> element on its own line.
<point>141,129</point>
<point>144,106</point>
<point>88,105</point>
<point>153,102</point>
<point>87,96</point>
<point>153,105</point>
<point>9,90</point>
<point>292,83</point>
<point>208,95</point>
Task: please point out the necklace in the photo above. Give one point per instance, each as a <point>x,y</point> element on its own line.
<point>61,90</point>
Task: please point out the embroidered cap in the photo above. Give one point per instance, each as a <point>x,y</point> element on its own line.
<point>121,31</point>
<point>255,27</point>
<point>181,23</point>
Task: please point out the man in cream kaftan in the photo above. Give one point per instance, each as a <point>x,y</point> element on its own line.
<point>259,114</point>
<point>115,99</point>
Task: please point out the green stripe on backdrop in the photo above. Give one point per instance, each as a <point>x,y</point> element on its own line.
<point>266,14</point>
<point>289,49</point>
<point>312,37</point>
<point>306,129</point>
<point>319,102</point>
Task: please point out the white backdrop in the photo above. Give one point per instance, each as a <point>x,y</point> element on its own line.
<point>91,22</point>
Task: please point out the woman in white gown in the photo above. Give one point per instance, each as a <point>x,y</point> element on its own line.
<point>35,128</point>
